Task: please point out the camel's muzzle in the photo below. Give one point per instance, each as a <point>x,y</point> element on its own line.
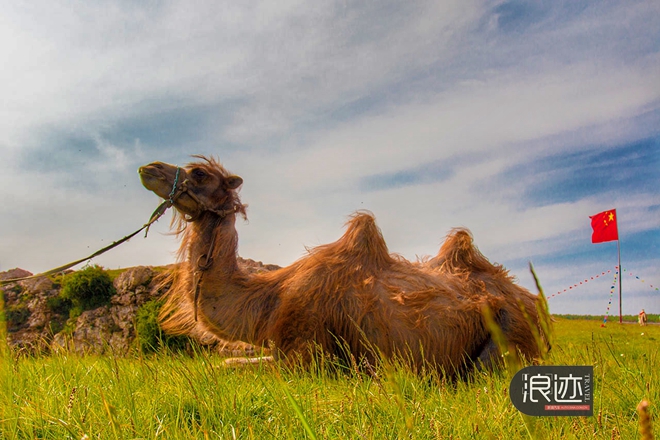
<point>160,178</point>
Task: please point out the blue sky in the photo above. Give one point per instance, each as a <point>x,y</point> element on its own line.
<point>517,120</point>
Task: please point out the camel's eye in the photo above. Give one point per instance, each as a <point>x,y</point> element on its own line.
<point>198,173</point>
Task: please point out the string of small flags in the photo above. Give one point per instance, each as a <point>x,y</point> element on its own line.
<point>609,304</point>
<point>578,284</point>
<point>649,284</point>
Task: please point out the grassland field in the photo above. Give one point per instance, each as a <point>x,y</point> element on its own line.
<point>176,396</point>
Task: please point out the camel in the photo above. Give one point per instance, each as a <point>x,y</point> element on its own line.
<point>351,299</point>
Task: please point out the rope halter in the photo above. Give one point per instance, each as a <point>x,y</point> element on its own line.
<point>179,189</point>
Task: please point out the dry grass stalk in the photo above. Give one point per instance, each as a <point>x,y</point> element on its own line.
<point>645,425</point>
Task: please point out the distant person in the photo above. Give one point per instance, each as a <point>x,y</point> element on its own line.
<point>642,317</point>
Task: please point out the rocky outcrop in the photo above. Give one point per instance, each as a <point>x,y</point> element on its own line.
<point>15,273</point>
<point>27,313</point>
<point>111,328</point>
<point>35,322</point>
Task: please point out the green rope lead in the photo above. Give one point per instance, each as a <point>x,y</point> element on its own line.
<point>158,213</point>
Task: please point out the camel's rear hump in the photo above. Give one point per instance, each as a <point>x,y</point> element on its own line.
<point>459,255</point>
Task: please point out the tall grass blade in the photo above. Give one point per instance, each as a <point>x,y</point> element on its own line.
<point>5,366</point>
<point>299,412</point>
<point>512,364</point>
<point>110,410</point>
<point>4,348</point>
<point>508,353</point>
<point>542,309</point>
<point>399,399</point>
<point>533,327</point>
<point>645,426</point>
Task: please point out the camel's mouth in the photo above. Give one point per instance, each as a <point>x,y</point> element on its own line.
<point>149,178</point>
<point>155,177</point>
<point>150,172</point>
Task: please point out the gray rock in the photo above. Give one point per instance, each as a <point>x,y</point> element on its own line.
<point>14,273</point>
<point>95,333</point>
<point>132,278</point>
<point>36,285</point>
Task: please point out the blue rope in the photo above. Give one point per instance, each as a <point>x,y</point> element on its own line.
<point>176,182</point>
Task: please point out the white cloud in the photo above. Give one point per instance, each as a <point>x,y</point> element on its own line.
<point>479,118</point>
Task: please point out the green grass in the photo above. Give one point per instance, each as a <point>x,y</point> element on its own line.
<point>173,396</point>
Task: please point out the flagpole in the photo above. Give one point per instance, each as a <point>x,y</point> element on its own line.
<point>618,250</point>
<point>603,231</point>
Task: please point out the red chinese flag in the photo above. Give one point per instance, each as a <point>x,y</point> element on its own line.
<point>604,226</point>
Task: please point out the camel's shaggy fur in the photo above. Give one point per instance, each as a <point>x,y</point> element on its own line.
<point>350,299</point>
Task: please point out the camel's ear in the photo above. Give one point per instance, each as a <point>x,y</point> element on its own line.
<point>233,182</point>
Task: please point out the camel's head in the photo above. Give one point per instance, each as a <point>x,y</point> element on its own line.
<point>198,187</point>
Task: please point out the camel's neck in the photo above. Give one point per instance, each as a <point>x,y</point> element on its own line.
<point>226,304</point>
<point>214,241</point>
